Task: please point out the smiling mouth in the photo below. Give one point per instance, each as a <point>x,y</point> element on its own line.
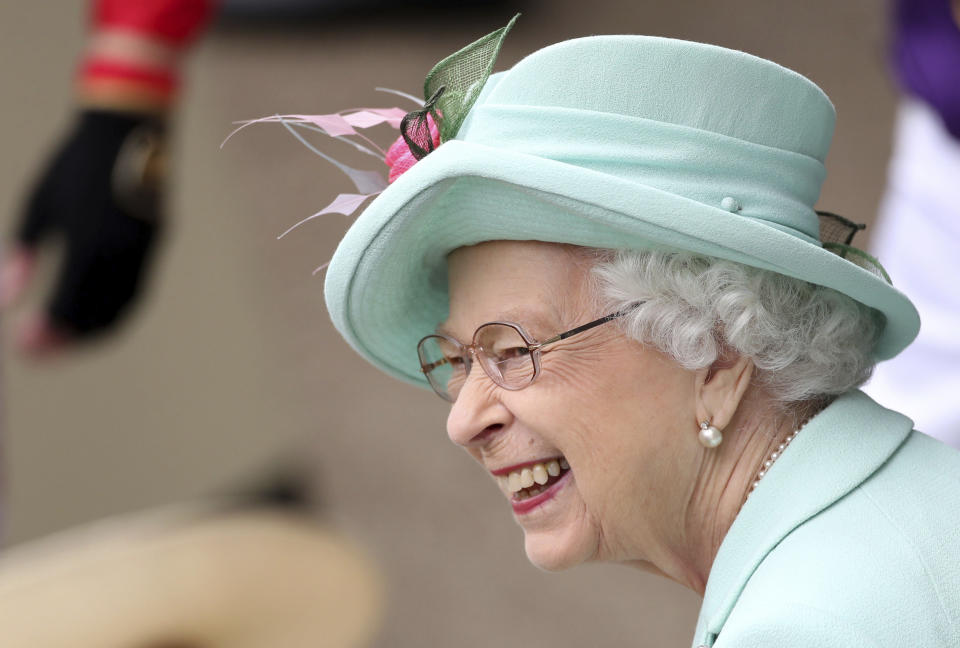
<point>533,479</point>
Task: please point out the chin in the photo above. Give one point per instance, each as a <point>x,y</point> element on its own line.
<point>557,550</point>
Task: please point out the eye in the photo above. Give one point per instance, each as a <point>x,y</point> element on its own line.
<point>511,353</point>
<point>512,361</point>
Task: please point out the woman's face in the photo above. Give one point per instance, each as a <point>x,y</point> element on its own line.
<point>619,414</point>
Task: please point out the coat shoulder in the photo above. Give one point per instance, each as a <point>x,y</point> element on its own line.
<point>881,566</point>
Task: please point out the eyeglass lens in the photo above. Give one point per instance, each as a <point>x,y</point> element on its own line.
<point>501,350</point>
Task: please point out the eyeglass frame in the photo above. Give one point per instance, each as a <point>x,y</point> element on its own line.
<point>469,351</point>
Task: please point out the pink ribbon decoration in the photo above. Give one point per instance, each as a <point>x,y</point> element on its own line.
<point>399,156</point>
<point>345,126</point>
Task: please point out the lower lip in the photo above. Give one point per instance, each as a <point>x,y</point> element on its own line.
<point>521,507</point>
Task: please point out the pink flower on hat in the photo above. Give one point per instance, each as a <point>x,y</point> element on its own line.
<point>400,158</point>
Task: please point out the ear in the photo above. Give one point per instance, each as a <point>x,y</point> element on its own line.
<point>719,389</point>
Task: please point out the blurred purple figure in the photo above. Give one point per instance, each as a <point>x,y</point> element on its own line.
<point>918,235</point>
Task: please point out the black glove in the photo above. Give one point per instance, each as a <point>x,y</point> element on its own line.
<point>102,195</point>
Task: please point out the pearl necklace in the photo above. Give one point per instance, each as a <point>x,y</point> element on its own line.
<point>774,456</point>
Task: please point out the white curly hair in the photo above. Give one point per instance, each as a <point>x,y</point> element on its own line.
<point>807,342</point>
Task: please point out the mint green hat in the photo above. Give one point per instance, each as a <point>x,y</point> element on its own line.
<point>622,142</point>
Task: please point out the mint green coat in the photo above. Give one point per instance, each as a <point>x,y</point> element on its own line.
<point>851,540</point>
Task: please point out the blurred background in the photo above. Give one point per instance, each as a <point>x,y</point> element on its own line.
<point>230,367</point>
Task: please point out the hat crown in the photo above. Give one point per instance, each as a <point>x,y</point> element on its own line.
<point>715,126</point>
<point>696,85</point>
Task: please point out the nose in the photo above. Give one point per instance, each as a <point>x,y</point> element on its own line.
<point>478,413</point>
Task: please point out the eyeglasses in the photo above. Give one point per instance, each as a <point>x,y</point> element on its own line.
<point>507,354</point>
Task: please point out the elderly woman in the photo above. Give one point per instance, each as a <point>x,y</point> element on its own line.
<point>611,267</point>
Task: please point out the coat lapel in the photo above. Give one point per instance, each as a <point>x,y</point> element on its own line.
<point>833,454</point>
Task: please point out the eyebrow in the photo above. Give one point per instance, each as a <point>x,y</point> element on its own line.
<point>533,322</point>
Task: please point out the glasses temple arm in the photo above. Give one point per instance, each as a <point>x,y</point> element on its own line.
<point>587,326</point>
<point>433,365</point>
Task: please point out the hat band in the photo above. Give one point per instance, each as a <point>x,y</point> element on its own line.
<point>772,185</point>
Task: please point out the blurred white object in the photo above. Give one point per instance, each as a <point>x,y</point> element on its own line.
<point>190,576</point>
<point>918,242</point>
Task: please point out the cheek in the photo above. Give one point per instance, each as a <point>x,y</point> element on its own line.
<point>614,417</point>
<point>589,415</point>
<point>611,395</point>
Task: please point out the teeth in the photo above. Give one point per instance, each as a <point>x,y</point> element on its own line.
<point>540,474</point>
<point>553,468</point>
<point>529,492</point>
<point>526,478</point>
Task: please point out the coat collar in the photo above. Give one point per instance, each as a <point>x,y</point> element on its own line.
<point>844,444</point>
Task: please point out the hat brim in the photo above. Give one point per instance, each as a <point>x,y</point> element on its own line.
<point>386,286</point>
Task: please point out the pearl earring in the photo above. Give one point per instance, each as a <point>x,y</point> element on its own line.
<point>709,436</point>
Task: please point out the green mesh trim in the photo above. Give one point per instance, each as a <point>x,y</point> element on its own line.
<point>450,89</point>
<point>860,258</point>
<point>837,229</point>
<point>837,232</point>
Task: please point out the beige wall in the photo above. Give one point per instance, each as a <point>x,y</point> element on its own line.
<point>232,362</point>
